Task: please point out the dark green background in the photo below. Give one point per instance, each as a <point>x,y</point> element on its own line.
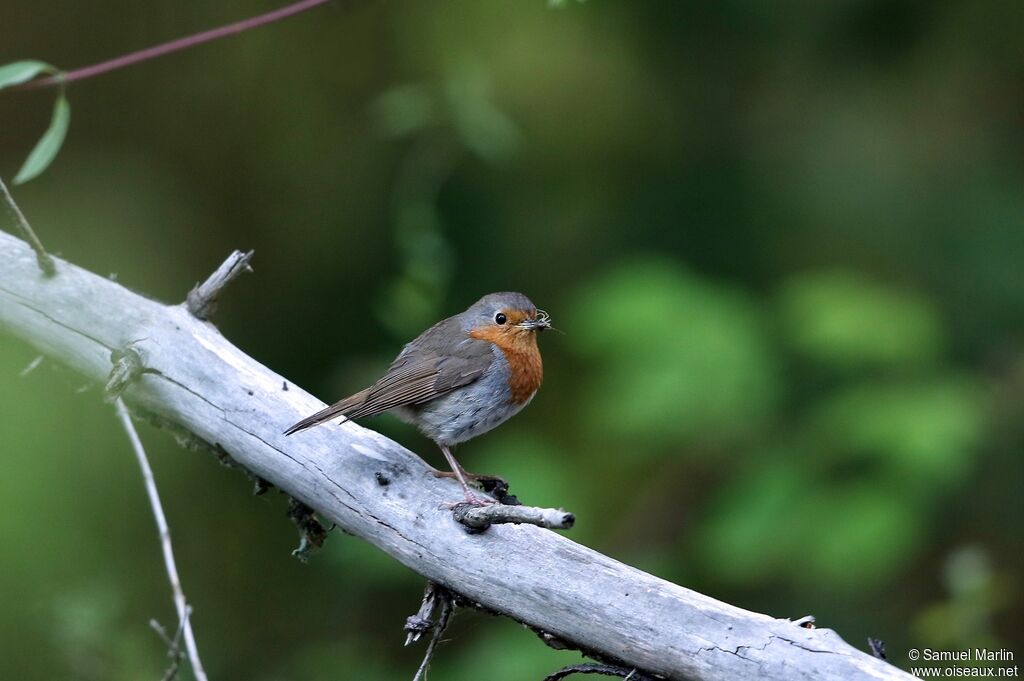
<point>783,240</point>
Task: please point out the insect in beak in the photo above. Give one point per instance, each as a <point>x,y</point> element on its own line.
<point>539,323</point>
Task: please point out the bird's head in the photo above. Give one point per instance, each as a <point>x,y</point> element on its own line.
<point>506,319</point>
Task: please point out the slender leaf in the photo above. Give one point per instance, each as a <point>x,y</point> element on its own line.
<point>49,144</point>
<point>18,72</point>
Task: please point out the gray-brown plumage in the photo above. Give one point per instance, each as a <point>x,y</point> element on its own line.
<point>425,369</point>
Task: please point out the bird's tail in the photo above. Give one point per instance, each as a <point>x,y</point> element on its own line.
<point>328,413</point>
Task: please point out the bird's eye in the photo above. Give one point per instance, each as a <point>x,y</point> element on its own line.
<point>500,318</point>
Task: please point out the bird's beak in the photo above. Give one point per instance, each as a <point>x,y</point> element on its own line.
<point>539,323</point>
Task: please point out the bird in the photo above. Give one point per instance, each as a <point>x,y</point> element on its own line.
<point>460,378</point>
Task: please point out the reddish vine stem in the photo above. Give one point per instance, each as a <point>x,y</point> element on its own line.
<point>174,45</point>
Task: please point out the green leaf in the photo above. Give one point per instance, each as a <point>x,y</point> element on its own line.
<point>49,144</point>
<point>18,72</point>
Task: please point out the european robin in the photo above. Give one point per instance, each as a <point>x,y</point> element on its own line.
<point>460,378</point>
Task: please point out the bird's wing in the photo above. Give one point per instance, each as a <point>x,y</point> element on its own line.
<point>422,372</point>
<point>337,409</point>
<point>421,380</point>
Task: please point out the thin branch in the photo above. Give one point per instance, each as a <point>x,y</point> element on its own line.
<point>444,600</point>
<point>173,46</point>
<point>45,260</point>
<point>202,300</point>
<point>32,366</point>
<point>479,518</point>
<point>161,632</point>
<point>420,623</point>
<point>165,541</point>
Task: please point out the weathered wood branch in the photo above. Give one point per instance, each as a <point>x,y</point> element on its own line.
<point>192,378</point>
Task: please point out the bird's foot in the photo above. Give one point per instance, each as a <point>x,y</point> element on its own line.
<point>490,484</point>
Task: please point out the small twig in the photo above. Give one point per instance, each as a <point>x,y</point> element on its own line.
<point>479,518</point>
<point>420,623</point>
<point>161,632</point>
<point>45,260</point>
<point>628,674</point>
<point>172,46</point>
<point>165,540</point>
<point>443,599</point>
<point>172,669</point>
<point>32,366</point>
<point>202,300</point>
<point>173,644</point>
<point>174,651</point>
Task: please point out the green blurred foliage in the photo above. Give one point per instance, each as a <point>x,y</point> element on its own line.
<point>846,322</point>
<point>975,594</point>
<point>675,357</point>
<point>782,244</point>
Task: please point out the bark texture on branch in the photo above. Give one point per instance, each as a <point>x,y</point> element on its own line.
<point>193,378</point>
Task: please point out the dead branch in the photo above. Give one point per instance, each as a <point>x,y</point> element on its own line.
<point>199,384</point>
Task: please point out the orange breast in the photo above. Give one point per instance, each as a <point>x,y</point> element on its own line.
<point>526,371</point>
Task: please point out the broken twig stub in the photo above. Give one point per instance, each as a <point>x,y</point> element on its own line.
<point>202,300</point>
<point>479,518</point>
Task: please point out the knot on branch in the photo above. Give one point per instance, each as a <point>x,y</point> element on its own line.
<point>552,641</point>
<point>127,366</point>
<point>312,533</point>
<point>806,622</point>
<point>478,518</point>
<point>202,300</point>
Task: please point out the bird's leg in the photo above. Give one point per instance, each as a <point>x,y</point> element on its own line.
<point>458,472</point>
<point>482,479</point>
